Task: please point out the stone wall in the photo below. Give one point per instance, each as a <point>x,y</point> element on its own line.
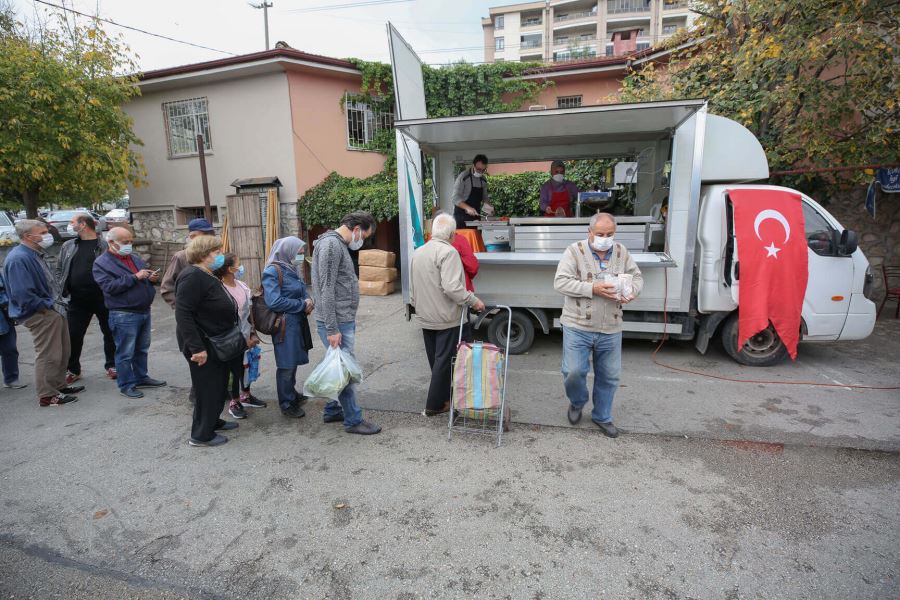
<point>158,226</point>
<point>879,238</point>
<point>290,220</point>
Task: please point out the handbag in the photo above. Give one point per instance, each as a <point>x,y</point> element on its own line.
<point>263,318</point>
<point>229,345</point>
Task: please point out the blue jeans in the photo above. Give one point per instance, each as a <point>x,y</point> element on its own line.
<point>285,385</point>
<point>132,335</point>
<point>580,348</point>
<point>347,399</point>
<point>9,356</point>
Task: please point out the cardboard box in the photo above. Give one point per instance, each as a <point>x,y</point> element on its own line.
<point>377,258</point>
<point>378,273</point>
<point>377,288</point>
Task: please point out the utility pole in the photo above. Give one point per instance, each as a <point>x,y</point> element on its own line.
<point>265,6</point>
<point>207,208</point>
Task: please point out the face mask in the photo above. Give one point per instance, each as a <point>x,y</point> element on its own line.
<point>124,249</point>
<point>46,241</point>
<point>476,174</point>
<point>240,272</point>
<point>218,262</point>
<point>602,244</point>
<point>298,260</point>
<point>559,177</point>
<point>356,244</point>
<point>71,229</point>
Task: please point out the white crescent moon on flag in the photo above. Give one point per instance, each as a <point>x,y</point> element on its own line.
<point>772,214</point>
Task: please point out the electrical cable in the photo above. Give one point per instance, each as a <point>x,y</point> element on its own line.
<point>144,31</point>
<point>347,5</point>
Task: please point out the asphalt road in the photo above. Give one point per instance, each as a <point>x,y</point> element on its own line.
<point>726,492</point>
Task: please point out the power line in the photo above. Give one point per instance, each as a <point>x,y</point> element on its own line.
<point>347,5</point>
<point>145,32</point>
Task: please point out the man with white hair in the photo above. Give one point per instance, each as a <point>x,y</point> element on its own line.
<point>589,277</point>
<point>34,302</point>
<point>437,290</point>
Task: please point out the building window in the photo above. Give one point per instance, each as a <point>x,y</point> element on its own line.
<point>610,49</point>
<point>364,122</point>
<point>568,101</point>
<point>642,46</point>
<point>498,22</point>
<point>498,43</point>
<point>186,214</point>
<point>184,120</point>
<point>669,29</point>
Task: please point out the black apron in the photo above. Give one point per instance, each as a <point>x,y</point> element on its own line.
<point>474,200</point>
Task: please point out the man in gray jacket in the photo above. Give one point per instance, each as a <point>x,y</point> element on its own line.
<point>82,294</point>
<point>589,277</point>
<point>335,291</point>
<point>437,289</point>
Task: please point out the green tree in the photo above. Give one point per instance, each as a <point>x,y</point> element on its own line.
<point>814,80</point>
<point>64,136</point>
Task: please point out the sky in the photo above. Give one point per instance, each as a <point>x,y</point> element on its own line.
<point>440,31</point>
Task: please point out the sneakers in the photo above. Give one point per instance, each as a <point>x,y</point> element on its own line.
<point>218,440</point>
<point>236,410</point>
<point>132,393</point>
<point>112,373</point>
<point>15,385</point>
<point>150,382</point>
<point>574,415</point>
<point>72,377</point>
<point>364,428</point>
<point>333,418</point>
<point>252,401</point>
<point>293,411</point>
<point>57,400</point>
<point>428,412</point>
<point>71,389</point>
<point>226,425</point>
<point>608,429</point>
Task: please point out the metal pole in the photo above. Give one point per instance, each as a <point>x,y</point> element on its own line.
<point>265,6</point>
<point>207,209</point>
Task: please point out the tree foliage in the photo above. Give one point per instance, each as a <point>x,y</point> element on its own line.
<point>455,90</point>
<point>814,80</point>
<point>64,136</point>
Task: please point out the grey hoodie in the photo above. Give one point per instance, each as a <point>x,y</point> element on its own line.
<point>335,287</point>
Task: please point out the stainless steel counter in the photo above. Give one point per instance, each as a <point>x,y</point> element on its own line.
<point>643,259</point>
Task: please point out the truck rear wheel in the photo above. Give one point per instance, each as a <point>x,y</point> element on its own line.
<point>762,350</point>
<point>521,333</point>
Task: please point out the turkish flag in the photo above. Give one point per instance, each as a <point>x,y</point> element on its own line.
<point>771,242</point>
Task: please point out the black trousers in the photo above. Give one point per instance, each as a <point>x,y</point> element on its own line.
<point>210,382</point>
<point>79,314</point>
<point>440,347</point>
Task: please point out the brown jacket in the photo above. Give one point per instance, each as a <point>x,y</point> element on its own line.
<point>167,288</point>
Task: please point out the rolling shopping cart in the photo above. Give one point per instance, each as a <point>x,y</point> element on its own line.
<point>479,385</point>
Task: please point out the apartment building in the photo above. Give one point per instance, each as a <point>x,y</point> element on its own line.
<point>564,30</point>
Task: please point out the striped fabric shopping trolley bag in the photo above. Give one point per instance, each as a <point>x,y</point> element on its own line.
<point>478,379</point>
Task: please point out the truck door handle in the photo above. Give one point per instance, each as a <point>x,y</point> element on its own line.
<point>737,270</point>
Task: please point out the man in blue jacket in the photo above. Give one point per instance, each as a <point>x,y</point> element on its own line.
<point>9,352</point>
<point>127,286</point>
<point>34,302</point>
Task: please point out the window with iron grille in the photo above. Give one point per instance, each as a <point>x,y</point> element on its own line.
<point>364,122</point>
<point>184,120</point>
<point>498,43</point>
<point>568,101</point>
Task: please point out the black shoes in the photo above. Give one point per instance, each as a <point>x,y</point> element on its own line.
<point>574,415</point>
<point>293,411</point>
<point>236,410</point>
<point>226,425</point>
<point>334,418</point>
<point>364,428</point>
<point>253,402</point>
<point>132,393</point>
<point>218,440</point>
<point>150,382</point>
<point>608,429</point>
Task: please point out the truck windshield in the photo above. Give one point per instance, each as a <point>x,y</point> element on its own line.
<point>820,235</point>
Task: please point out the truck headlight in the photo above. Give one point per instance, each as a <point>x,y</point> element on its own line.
<point>869,283</point>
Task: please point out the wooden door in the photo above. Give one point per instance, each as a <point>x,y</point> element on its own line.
<point>246,236</point>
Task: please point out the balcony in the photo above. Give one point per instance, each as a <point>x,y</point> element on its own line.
<point>573,40</point>
<point>574,16</point>
<point>676,4</point>
<point>531,44</point>
<point>621,7</point>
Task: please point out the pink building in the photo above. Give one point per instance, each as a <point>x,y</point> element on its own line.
<point>280,114</point>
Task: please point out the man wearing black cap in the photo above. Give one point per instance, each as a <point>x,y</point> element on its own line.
<point>179,262</point>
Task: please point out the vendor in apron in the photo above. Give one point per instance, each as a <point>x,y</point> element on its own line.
<point>558,193</point>
<point>470,193</point>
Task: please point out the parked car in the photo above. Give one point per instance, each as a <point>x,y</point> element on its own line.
<point>7,227</point>
<point>61,218</point>
<point>116,216</point>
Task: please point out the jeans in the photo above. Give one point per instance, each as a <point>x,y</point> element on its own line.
<point>347,398</point>
<point>286,386</point>
<point>132,336</point>
<point>9,356</point>
<point>580,348</point>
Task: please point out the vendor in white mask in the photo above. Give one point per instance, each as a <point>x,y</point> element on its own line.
<point>470,193</point>
<point>558,193</point>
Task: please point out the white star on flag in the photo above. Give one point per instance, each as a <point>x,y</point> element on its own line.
<point>772,250</point>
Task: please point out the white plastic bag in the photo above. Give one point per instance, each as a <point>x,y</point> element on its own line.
<point>336,371</point>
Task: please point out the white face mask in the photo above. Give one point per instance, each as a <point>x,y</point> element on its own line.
<point>476,174</point>
<point>356,244</point>
<point>559,178</point>
<point>602,244</point>
<point>298,260</point>
<point>71,229</point>
<point>46,241</point>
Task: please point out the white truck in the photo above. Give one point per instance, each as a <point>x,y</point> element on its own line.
<point>687,159</point>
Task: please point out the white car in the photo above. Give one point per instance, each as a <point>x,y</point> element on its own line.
<point>116,216</point>
<point>7,227</point>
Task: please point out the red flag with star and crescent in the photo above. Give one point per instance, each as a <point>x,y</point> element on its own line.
<point>771,242</point>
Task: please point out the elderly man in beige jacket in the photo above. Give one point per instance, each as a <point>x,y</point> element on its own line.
<point>589,277</point>
<point>438,292</point>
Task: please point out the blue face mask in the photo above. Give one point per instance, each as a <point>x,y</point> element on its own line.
<point>218,262</point>
<point>240,272</point>
<point>298,260</point>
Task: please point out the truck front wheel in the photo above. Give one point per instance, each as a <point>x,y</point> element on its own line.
<point>521,334</point>
<point>762,350</point>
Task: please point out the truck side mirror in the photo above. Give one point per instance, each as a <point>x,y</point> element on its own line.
<point>848,243</point>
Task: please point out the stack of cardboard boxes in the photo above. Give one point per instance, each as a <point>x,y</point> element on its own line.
<point>377,275</point>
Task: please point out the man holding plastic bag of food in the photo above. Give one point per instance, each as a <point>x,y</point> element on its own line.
<point>596,276</point>
<point>335,290</point>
